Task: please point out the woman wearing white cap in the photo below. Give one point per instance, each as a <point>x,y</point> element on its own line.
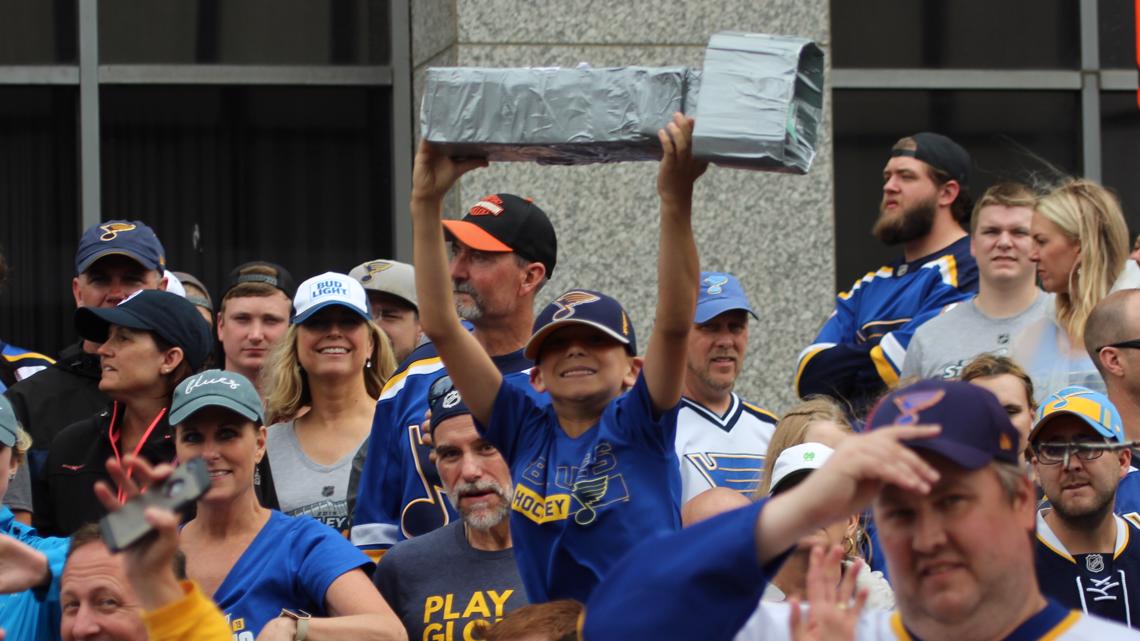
<point>334,360</point>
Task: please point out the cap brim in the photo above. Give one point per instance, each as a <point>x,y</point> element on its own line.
<point>714,308</point>
<point>300,318</point>
<point>184,412</point>
<point>94,323</point>
<point>475,236</point>
<point>90,260</point>
<point>966,456</point>
<point>1099,429</point>
<point>7,436</point>
<point>535,342</point>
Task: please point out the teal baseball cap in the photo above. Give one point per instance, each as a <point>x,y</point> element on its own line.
<point>9,427</point>
<point>216,388</point>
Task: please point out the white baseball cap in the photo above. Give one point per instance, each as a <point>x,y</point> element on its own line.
<point>330,288</point>
<point>804,457</point>
<point>388,276</point>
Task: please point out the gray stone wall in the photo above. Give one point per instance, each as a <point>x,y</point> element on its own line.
<point>775,232</point>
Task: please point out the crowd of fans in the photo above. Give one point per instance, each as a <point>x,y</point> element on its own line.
<point>410,452</point>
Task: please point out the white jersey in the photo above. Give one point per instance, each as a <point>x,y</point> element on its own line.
<point>770,623</point>
<point>722,451</point>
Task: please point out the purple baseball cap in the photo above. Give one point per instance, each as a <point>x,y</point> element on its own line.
<point>975,426</point>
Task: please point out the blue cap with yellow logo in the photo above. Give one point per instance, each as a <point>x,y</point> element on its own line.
<point>583,307</point>
<point>1091,407</point>
<point>975,427</point>
<point>130,238</point>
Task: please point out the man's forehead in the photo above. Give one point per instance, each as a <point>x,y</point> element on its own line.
<point>273,301</point>
<point>93,561</point>
<point>455,431</point>
<point>998,214</point>
<point>384,298</point>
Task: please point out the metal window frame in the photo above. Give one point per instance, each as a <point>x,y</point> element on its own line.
<point>88,75</point>
<point>1090,80</point>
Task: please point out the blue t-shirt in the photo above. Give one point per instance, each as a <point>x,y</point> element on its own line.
<point>581,503</point>
<point>33,615</point>
<point>290,564</point>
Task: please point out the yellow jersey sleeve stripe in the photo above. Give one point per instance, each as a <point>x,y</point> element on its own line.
<point>35,355</point>
<point>809,353</point>
<point>886,372</point>
<point>761,410</point>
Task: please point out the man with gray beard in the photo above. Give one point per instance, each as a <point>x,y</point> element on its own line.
<point>445,584</point>
<point>502,253</point>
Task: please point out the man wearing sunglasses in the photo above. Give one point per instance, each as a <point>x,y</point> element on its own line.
<point>1087,557</point>
<point>1112,338</point>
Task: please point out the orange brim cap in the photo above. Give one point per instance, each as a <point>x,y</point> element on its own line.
<point>475,236</point>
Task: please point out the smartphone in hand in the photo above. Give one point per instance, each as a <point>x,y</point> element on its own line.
<point>127,525</point>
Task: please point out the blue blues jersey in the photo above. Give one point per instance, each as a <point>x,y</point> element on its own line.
<point>289,564</point>
<point>581,503</point>
<point>400,495</point>
<point>861,348</point>
<point>704,583</point>
<point>33,615</point>
<point>1128,495</point>
<point>17,363</point>
<point>1105,584</point>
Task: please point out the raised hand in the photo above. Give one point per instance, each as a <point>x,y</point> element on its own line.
<point>434,173</point>
<point>834,605</point>
<point>678,170</point>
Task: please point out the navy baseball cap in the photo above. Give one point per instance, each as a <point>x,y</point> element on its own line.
<point>170,316</point>
<point>583,307</point>
<point>720,292</point>
<point>130,238</point>
<point>508,223</point>
<point>9,426</point>
<point>975,426</point>
<point>444,401</point>
<point>940,152</point>
<point>216,388</point>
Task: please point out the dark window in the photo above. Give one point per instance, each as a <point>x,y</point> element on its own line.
<point>39,214</point>
<point>1010,135</point>
<point>1117,23</point>
<point>298,176</point>
<point>36,32</point>
<point>285,32</point>
<point>1120,140</point>
<point>967,34</point>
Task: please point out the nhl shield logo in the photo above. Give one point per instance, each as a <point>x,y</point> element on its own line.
<point>1094,563</point>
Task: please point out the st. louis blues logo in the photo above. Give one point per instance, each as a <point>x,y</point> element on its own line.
<point>112,230</point>
<point>715,284</point>
<point>374,268</point>
<point>568,301</point>
<point>911,404</point>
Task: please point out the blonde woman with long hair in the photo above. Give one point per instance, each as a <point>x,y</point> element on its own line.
<point>321,383</point>
<point>1080,245</point>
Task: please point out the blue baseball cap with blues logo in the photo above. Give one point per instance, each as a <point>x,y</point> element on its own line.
<point>1091,407</point>
<point>583,307</point>
<point>720,292</point>
<point>130,238</point>
<point>330,288</point>
<point>975,427</point>
<point>216,388</point>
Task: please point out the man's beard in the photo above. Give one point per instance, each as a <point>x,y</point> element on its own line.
<point>907,225</point>
<point>1090,518</point>
<point>482,519</point>
<point>474,311</point>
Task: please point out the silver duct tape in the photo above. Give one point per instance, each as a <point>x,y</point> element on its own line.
<point>761,102</point>
<point>758,104</point>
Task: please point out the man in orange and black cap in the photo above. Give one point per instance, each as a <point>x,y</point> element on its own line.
<point>502,253</point>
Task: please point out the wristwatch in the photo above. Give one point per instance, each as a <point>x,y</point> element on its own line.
<point>302,619</point>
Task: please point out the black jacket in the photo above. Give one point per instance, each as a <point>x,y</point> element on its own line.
<point>58,396</point>
<point>66,498</point>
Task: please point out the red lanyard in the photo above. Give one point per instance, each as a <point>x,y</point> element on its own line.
<point>138,448</point>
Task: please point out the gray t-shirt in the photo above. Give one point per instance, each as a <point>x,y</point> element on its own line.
<point>441,587</point>
<point>943,345</point>
<point>305,486</point>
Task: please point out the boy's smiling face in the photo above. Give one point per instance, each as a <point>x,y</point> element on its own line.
<point>581,364</point>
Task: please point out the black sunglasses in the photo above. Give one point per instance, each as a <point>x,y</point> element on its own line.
<point>1132,344</point>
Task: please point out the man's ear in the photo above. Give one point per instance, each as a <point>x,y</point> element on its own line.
<point>1110,361</point>
<point>536,379</point>
<point>533,277</point>
<point>75,292</point>
<point>163,283</point>
<point>948,192</point>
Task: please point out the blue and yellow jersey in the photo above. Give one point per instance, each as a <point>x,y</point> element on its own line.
<point>1128,495</point>
<point>581,503</point>
<point>1103,584</point>
<point>19,363</point>
<point>400,495</point>
<point>861,348</point>
<point>722,451</point>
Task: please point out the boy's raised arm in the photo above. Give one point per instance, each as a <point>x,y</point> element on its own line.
<point>678,268</point>
<point>470,368</point>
